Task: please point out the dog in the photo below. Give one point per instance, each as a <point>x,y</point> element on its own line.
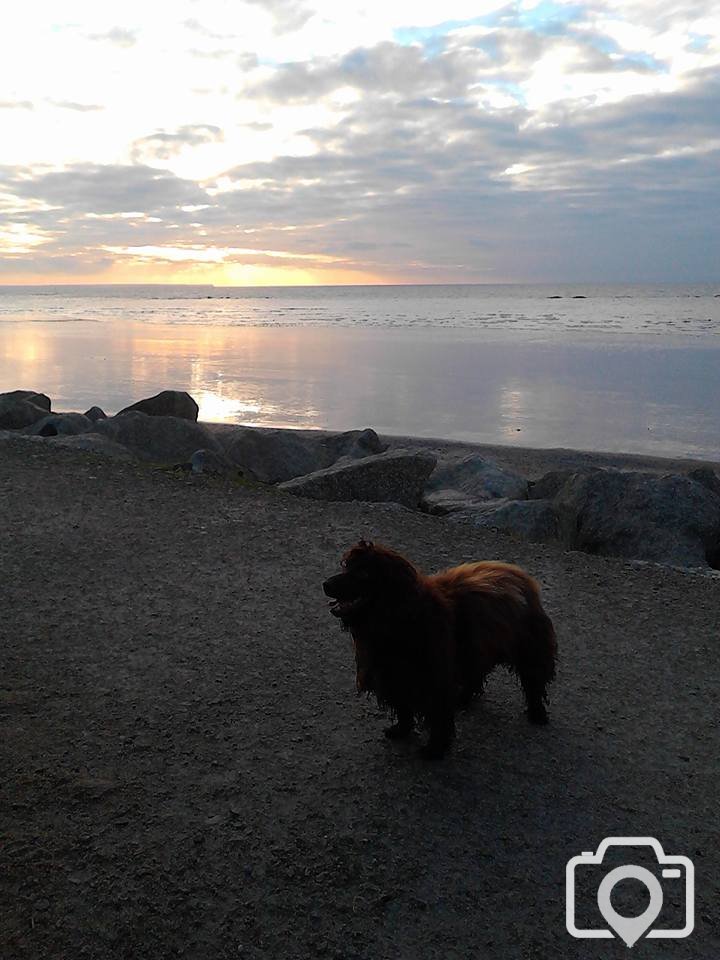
<point>425,645</point>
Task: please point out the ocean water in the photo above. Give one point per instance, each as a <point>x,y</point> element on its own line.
<point>619,368</point>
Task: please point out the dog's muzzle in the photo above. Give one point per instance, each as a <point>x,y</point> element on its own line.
<point>343,599</point>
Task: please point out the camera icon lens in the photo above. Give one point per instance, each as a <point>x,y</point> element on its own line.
<point>671,869</point>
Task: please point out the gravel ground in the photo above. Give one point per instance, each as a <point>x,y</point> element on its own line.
<point>187,771</point>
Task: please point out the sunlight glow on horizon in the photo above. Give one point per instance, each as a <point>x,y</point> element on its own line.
<point>454,142</point>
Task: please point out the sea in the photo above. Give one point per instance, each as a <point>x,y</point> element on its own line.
<point>628,368</point>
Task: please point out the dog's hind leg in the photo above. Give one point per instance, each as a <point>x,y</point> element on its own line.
<point>535,696</point>
<point>536,664</point>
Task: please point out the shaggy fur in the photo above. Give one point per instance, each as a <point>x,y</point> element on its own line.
<point>425,645</point>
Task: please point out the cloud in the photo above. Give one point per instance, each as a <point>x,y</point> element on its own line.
<point>196,27</point>
<point>525,144</point>
<point>386,69</point>
<point>119,36</point>
<point>288,15</point>
<point>79,107</point>
<point>102,189</point>
<point>163,145</point>
<point>16,105</point>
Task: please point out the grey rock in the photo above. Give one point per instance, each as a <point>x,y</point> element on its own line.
<point>395,477</point>
<point>351,445</point>
<point>213,463</point>
<point>95,413</point>
<point>458,484</point>
<point>707,477</point>
<point>16,413</point>
<point>94,443</point>
<point>274,456</point>
<point>550,484</point>
<point>535,520</point>
<point>61,425</point>
<point>167,403</point>
<point>32,396</point>
<point>665,519</point>
<point>443,502</point>
<point>157,439</point>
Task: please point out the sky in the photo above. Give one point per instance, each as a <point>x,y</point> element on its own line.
<point>245,142</point>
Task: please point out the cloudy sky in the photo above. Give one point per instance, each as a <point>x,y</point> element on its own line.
<point>368,141</point>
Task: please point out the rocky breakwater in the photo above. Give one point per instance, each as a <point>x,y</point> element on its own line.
<point>672,518</point>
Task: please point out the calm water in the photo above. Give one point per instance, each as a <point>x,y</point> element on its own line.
<point>613,368</point>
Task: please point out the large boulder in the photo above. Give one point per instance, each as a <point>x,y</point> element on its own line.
<point>458,483</point>
<point>530,519</point>
<point>95,413</point>
<point>157,439</point>
<point>167,403</point>
<point>550,484</point>
<point>61,425</point>
<point>395,477</point>
<point>274,456</point>
<point>94,443</point>
<point>351,445</point>
<point>32,396</point>
<point>16,413</point>
<point>707,477</point>
<point>665,519</point>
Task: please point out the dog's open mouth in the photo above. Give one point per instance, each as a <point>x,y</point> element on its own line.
<point>343,608</point>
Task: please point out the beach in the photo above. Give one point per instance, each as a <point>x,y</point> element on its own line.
<point>189,772</point>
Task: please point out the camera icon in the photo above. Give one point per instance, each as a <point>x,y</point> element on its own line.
<point>670,875</point>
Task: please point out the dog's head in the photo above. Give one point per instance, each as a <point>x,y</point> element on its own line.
<point>372,574</point>
<point>373,582</point>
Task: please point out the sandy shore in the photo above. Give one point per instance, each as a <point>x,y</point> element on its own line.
<point>188,772</point>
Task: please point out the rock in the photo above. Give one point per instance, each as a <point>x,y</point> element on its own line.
<point>213,463</point>
<point>442,502</point>
<point>396,477</point>
<point>167,403</point>
<point>459,483</point>
<point>157,439</point>
<point>550,484</point>
<point>94,443</point>
<point>39,399</point>
<point>274,456</point>
<point>535,520</point>
<point>96,413</point>
<point>664,519</point>
<point>16,413</point>
<point>61,425</point>
<point>351,445</point>
<point>707,477</point>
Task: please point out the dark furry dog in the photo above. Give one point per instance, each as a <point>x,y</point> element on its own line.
<point>425,645</point>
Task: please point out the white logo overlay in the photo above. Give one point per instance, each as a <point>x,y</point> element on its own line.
<point>631,929</point>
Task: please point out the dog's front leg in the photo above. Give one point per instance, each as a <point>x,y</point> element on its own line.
<point>442,731</point>
<point>403,726</point>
